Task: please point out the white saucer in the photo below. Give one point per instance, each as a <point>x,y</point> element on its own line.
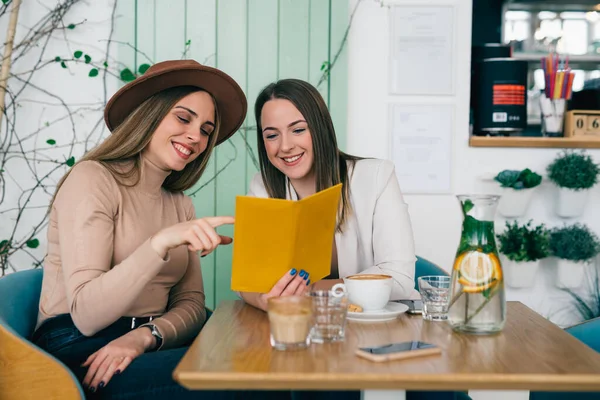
<point>389,312</point>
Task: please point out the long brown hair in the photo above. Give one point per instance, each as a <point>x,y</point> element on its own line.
<point>330,164</point>
<point>131,137</point>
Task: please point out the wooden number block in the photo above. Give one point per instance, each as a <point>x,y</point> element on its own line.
<point>593,125</point>
<point>580,123</point>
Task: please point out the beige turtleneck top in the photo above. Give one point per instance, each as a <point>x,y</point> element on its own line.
<point>100,265</point>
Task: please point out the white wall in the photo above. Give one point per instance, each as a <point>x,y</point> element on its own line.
<point>436,218</point>
<point>44,107</point>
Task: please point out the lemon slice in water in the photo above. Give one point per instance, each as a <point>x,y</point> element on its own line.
<point>477,268</point>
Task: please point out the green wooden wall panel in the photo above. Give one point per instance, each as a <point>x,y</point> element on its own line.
<point>170,29</point>
<point>262,66</point>
<point>338,81</point>
<point>232,31</point>
<point>201,33</point>
<point>125,33</point>
<point>200,30</point>
<point>293,39</point>
<point>318,44</point>
<point>256,42</point>
<point>145,33</point>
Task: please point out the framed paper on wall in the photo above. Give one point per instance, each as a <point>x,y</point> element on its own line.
<point>421,147</point>
<point>421,60</point>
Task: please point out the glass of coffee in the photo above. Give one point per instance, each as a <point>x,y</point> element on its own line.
<point>330,308</point>
<point>290,320</point>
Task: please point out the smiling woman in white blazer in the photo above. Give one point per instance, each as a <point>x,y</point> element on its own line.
<point>299,156</point>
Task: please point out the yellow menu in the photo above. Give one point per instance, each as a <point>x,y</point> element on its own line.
<point>272,236</point>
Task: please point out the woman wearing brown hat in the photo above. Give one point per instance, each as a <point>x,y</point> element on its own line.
<point>122,276</point>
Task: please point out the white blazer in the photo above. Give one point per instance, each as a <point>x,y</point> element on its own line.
<point>377,237</point>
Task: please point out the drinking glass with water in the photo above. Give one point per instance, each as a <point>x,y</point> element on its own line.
<point>329,310</point>
<point>435,291</point>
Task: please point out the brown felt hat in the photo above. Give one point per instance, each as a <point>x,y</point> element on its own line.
<point>230,98</point>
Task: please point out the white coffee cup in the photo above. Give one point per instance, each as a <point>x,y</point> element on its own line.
<point>369,291</point>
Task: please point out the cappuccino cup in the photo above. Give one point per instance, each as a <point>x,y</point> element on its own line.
<point>369,291</point>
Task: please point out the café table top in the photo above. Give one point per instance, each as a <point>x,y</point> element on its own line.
<point>531,353</point>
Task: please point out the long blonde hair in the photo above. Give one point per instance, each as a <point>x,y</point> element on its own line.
<point>133,135</point>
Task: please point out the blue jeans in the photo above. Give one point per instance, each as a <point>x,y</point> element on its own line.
<point>149,376</point>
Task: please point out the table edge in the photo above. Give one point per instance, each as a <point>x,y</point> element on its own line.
<point>344,381</point>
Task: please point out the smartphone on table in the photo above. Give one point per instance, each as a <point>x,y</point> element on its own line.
<point>398,351</point>
<point>414,306</point>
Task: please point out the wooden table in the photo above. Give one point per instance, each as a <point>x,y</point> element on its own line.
<point>531,353</point>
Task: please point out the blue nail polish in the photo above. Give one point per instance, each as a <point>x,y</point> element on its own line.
<point>302,273</point>
<point>306,276</point>
<point>293,271</point>
<point>308,282</point>
<point>100,385</point>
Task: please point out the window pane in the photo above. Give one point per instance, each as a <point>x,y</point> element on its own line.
<point>575,37</point>
<point>550,28</point>
<point>517,15</point>
<point>546,15</point>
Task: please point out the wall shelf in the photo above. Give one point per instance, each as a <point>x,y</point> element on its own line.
<point>536,141</point>
<point>535,57</point>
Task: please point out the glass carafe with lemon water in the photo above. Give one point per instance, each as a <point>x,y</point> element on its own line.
<point>477,302</point>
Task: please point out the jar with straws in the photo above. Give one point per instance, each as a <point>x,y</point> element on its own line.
<point>559,87</point>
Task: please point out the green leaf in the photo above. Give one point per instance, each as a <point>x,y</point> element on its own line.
<point>71,26</point>
<point>143,68</point>
<point>467,206</point>
<point>62,64</point>
<point>529,178</point>
<point>105,64</point>
<point>78,54</point>
<point>127,75</point>
<point>88,59</point>
<point>5,1</point>
<point>47,123</point>
<point>325,65</point>
<point>71,161</point>
<point>93,72</point>
<point>4,246</point>
<point>33,243</point>
<point>574,170</point>
<point>486,292</point>
<point>508,178</point>
<point>51,142</point>
<point>188,42</point>
<point>57,58</point>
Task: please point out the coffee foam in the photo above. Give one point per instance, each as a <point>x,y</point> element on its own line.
<point>368,277</point>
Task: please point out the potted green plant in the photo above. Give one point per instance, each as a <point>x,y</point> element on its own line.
<point>574,173</point>
<point>575,246</point>
<point>517,188</point>
<point>521,249</point>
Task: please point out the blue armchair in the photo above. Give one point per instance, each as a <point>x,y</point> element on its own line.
<point>589,333</point>
<point>425,267</point>
<point>28,372</point>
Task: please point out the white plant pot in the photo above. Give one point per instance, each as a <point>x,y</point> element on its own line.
<point>519,274</point>
<point>571,203</point>
<point>570,274</point>
<point>514,203</point>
